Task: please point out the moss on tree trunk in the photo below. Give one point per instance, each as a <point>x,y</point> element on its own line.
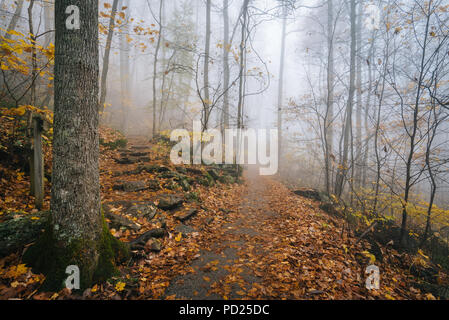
<point>51,257</point>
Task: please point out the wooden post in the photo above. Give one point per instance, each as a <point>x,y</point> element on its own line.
<point>38,163</point>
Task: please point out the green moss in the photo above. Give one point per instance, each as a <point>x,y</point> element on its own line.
<point>114,145</point>
<point>111,251</point>
<point>51,258</point>
<point>192,197</point>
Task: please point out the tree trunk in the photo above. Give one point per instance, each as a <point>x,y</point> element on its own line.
<point>124,70</point>
<point>370,61</point>
<point>38,163</point>
<point>244,18</point>
<point>328,126</point>
<point>206,101</point>
<point>49,8</point>
<point>414,132</point>
<point>15,18</point>
<point>281,81</point>
<point>343,168</point>
<point>107,51</point>
<point>156,54</point>
<point>358,143</point>
<point>226,72</point>
<point>77,234</point>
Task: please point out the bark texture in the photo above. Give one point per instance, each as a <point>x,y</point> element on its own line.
<point>76,233</point>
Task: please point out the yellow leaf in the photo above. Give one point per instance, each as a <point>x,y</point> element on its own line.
<point>370,256</point>
<point>120,286</point>
<point>389,297</point>
<point>430,296</point>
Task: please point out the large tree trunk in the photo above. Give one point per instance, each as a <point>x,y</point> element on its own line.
<point>76,234</point>
<point>107,51</point>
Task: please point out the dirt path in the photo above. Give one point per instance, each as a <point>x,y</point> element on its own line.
<point>229,264</point>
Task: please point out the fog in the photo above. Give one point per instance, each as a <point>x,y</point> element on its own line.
<point>364,100</point>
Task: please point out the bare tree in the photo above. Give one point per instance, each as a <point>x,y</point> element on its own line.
<point>107,51</point>
<point>344,163</point>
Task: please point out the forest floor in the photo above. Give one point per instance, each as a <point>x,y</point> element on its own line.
<point>250,240</point>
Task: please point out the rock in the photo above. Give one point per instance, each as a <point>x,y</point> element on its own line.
<point>194,171</point>
<point>185,185</point>
<point>226,179</point>
<point>130,186</point>
<point>184,229</point>
<point>155,233</point>
<point>138,154</point>
<point>132,160</point>
<point>125,160</point>
<point>232,170</point>
<point>127,173</point>
<point>192,197</point>
<point>309,194</point>
<point>118,221</point>
<point>170,201</point>
<point>170,185</point>
<point>154,168</point>
<point>154,185</point>
<point>214,174</point>
<point>329,208</point>
<point>316,292</point>
<point>206,180</point>
<point>163,222</point>
<point>140,147</point>
<point>184,216</point>
<point>156,245</point>
<point>181,169</point>
<point>168,175</point>
<point>148,210</point>
<point>19,231</point>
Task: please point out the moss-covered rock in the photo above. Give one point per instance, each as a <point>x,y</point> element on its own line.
<point>17,232</point>
<point>227,179</point>
<point>114,145</point>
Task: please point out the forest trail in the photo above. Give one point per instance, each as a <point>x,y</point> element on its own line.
<point>258,240</point>
<point>228,260</point>
<point>251,240</point>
